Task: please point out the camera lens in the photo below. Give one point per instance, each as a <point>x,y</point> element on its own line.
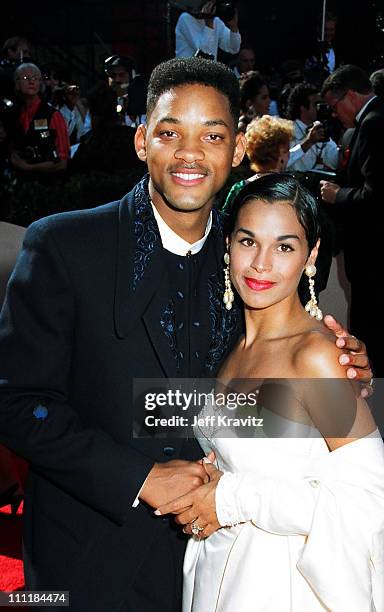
<point>225,10</point>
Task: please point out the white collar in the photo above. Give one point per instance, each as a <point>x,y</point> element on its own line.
<point>173,242</point>
<point>363,108</point>
<point>303,126</point>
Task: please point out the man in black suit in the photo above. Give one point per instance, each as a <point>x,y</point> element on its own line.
<point>132,289</point>
<point>128,290</point>
<point>349,94</point>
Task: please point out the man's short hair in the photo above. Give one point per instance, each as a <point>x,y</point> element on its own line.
<point>345,78</point>
<point>377,80</point>
<point>299,96</point>
<point>194,71</point>
<point>14,42</point>
<point>118,61</point>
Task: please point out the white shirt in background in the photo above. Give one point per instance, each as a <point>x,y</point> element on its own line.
<point>192,34</point>
<point>321,156</point>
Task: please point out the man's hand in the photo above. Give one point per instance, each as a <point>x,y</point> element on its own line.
<point>329,191</point>
<point>198,506</point>
<point>209,9</point>
<point>173,479</point>
<point>315,134</point>
<point>20,163</point>
<point>233,23</point>
<point>355,358</point>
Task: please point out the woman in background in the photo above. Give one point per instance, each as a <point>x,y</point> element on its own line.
<point>254,98</point>
<point>268,140</point>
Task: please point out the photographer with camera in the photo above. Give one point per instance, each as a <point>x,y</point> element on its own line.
<point>40,143</point>
<point>311,149</point>
<point>201,29</point>
<point>130,87</point>
<point>72,110</point>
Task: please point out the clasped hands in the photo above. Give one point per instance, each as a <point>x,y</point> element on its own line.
<point>193,487</point>
<point>188,490</point>
<point>196,511</point>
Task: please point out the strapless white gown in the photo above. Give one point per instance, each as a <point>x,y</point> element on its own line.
<point>312,536</point>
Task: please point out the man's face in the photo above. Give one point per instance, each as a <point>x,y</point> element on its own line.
<point>246,60</point>
<point>343,107</point>
<point>21,54</point>
<point>329,31</point>
<point>72,95</point>
<point>118,78</point>
<point>309,115</point>
<point>190,146</point>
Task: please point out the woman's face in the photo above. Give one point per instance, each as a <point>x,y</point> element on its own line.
<point>268,253</point>
<point>29,83</point>
<point>261,102</point>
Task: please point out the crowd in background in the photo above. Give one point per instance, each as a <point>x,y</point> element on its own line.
<point>63,148</point>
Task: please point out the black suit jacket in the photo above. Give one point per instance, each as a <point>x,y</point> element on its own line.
<point>82,318</point>
<point>361,196</point>
<point>362,180</point>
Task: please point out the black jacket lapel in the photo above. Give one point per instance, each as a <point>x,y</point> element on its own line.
<point>352,145</point>
<point>142,288</point>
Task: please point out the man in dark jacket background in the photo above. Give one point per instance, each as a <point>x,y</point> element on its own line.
<point>359,197</point>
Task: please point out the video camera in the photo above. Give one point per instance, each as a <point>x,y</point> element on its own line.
<point>42,148</point>
<point>324,115</point>
<point>223,9</point>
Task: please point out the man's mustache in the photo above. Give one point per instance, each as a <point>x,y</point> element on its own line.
<point>183,166</point>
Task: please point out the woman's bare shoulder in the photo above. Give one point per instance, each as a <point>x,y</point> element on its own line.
<point>317,356</point>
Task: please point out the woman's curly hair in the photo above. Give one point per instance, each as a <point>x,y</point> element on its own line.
<point>265,135</point>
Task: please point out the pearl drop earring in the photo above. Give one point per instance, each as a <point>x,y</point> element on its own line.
<point>228,296</point>
<point>311,306</point>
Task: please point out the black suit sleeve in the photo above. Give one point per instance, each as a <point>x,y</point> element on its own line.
<point>370,160</point>
<point>36,421</point>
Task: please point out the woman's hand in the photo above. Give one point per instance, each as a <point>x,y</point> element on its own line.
<point>197,508</point>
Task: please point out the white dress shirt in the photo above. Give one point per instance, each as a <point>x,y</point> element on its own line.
<point>331,60</point>
<point>192,34</point>
<point>74,120</point>
<point>173,242</point>
<point>327,152</point>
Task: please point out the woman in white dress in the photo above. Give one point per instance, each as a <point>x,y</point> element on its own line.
<point>292,519</point>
